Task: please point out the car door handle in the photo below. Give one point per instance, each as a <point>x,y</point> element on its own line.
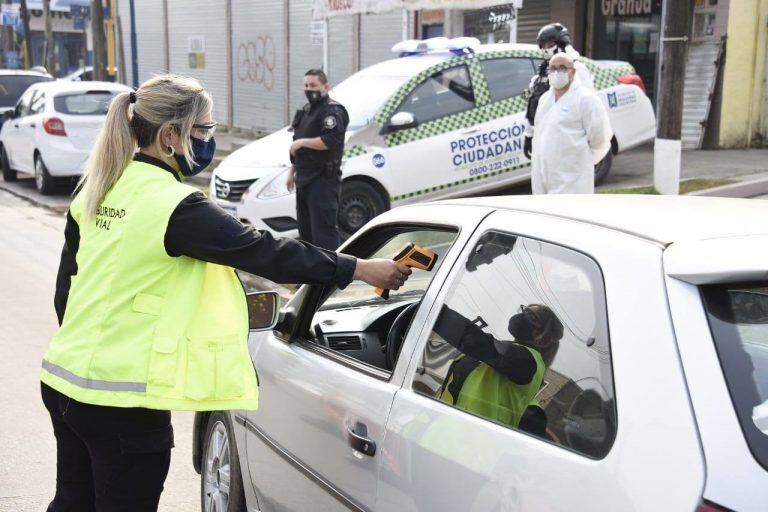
<point>31,125</point>
<point>470,131</point>
<point>15,125</point>
<point>359,441</point>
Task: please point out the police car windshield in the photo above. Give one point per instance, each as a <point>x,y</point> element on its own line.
<point>363,94</point>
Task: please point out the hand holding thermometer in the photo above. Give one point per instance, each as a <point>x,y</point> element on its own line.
<point>413,256</point>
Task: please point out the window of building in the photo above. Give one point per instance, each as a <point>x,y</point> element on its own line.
<point>522,340</point>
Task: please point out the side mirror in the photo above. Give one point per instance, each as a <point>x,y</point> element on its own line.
<point>402,120</point>
<point>8,114</point>
<point>263,308</point>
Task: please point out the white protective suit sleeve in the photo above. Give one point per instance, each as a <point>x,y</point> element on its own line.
<point>597,125</point>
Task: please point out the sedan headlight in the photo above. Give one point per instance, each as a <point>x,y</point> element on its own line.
<point>276,186</point>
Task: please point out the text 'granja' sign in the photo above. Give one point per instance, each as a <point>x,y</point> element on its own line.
<point>613,8</point>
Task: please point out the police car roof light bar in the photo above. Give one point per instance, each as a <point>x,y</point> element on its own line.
<point>458,45</point>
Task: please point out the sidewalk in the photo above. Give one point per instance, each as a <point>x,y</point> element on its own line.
<point>634,168</point>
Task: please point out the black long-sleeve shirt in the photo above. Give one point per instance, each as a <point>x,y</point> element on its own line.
<point>200,229</point>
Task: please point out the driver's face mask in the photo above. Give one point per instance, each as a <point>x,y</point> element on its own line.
<point>521,327</point>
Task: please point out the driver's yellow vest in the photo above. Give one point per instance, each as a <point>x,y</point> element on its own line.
<point>142,328</point>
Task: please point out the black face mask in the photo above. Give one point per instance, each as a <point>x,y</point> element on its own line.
<point>520,327</point>
<point>314,97</point>
<point>204,152</point>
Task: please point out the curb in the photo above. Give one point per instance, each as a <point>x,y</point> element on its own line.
<point>33,200</point>
<point>743,189</point>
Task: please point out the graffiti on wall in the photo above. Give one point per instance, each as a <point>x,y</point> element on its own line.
<point>256,61</point>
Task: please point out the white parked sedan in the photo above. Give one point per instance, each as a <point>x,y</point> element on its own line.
<point>52,129</point>
<point>445,119</point>
<point>656,399</point>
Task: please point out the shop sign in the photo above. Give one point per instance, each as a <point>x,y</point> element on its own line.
<point>9,15</point>
<point>329,8</point>
<point>613,8</point>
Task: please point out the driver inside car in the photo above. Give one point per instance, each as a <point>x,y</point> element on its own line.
<point>499,379</point>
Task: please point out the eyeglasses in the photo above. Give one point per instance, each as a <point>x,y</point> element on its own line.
<point>553,69</point>
<point>205,131</point>
<point>530,313</point>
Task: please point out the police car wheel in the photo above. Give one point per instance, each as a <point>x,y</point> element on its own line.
<point>8,173</point>
<point>221,482</point>
<point>44,182</point>
<point>360,202</point>
<point>603,168</point>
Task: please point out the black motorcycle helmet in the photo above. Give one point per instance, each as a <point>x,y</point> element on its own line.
<point>554,32</point>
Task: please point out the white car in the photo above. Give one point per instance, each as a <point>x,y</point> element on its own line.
<point>51,130</point>
<point>446,119</point>
<point>656,398</point>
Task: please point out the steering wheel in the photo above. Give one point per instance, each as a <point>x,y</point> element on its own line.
<point>397,333</point>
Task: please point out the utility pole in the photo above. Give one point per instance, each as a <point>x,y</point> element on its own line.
<point>99,41</point>
<point>24,13</point>
<point>676,29</point>
<point>49,59</point>
<point>6,34</point>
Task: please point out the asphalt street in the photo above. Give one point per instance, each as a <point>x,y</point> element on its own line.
<point>30,243</point>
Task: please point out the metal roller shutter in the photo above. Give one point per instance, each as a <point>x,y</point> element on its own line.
<point>190,18</point>
<point>303,54</point>
<point>150,39</point>
<point>534,15</point>
<point>258,65</point>
<point>340,55</point>
<point>378,33</point>
<point>124,13</point>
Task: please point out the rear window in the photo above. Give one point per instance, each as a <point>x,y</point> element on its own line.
<point>13,86</point>
<point>738,318</point>
<point>91,103</point>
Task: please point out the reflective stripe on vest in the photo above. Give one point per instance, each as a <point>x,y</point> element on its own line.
<point>103,385</point>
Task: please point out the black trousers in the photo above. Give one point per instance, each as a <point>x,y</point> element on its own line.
<point>108,459</point>
<point>317,211</point>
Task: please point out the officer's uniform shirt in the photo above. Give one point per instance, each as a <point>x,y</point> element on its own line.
<point>200,229</point>
<point>327,120</point>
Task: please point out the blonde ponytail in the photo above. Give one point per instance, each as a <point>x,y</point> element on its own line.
<point>162,101</point>
<point>114,148</point>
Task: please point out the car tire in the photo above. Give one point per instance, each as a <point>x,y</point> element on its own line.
<point>360,202</point>
<point>603,167</point>
<point>221,481</point>
<point>8,173</point>
<point>44,182</point>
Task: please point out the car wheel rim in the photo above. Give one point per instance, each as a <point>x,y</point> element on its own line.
<point>216,476</point>
<point>355,212</point>
<point>39,174</point>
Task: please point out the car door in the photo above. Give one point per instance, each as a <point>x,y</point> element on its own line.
<point>423,156</point>
<point>325,395</point>
<point>13,137</point>
<point>594,433</point>
<point>28,129</point>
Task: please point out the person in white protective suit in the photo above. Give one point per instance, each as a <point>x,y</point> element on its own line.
<point>573,133</point>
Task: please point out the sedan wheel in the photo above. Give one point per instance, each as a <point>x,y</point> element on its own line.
<point>44,182</point>
<point>221,481</point>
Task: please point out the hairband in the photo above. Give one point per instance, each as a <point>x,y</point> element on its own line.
<point>132,97</point>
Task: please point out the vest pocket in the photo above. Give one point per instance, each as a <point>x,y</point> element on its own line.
<point>163,361</point>
<point>215,368</point>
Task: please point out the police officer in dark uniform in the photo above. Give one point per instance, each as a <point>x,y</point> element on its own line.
<point>316,152</point>
<point>552,38</point>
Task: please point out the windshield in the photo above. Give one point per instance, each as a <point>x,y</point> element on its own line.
<point>13,86</point>
<point>363,95</point>
<point>738,318</point>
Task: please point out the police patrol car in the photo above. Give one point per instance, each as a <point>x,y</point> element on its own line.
<point>444,119</point>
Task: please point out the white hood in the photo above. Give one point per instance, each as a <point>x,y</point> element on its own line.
<point>258,158</point>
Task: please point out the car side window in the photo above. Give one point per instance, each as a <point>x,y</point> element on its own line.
<point>522,340</point>
<point>357,323</point>
<point>442,94</point>
<point>507,78</point>
<point>22,107</point>
<point>37,105</point>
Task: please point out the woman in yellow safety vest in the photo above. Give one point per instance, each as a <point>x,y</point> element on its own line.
<point>153,317</point>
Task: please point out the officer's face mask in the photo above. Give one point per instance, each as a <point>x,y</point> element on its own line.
<point>550,52</point>
<point>203,151</point>
<point>314,97</point>
<point>559,79</point>
<point>521,327</point>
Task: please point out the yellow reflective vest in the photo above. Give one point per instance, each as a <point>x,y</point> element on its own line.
<point>142,328</point>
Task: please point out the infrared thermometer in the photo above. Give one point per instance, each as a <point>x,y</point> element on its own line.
<point>413,256</point>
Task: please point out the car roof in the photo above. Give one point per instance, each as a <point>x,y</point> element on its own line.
<point>661,219</point>
<point>69,86</point>
<point>23,72</point>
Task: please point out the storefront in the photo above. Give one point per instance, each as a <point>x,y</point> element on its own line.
<point>628,31</point>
